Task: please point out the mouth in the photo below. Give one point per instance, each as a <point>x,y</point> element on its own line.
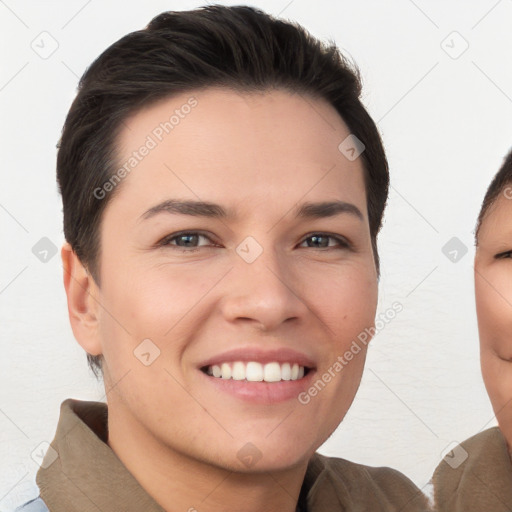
<point>254,371</point>
<point>259,376</point>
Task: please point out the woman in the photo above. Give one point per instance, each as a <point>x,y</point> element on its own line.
<point>479,476</point>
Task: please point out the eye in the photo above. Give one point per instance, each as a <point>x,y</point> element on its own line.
<point>186,241</point>
<point>503,255</point>
<point>322,239</point>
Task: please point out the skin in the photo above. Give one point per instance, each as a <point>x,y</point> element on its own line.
<point>493,289</point>
<point>260,155</point>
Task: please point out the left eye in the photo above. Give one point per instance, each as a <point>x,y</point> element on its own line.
<point>321,237</point>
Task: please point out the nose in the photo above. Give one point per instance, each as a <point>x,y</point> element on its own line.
<point>265,293</point>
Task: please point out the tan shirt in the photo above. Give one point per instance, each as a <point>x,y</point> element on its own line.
<point>482,482</point>
<point>87,476</point>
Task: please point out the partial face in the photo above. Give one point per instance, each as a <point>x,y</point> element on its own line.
<point>260,286</point>
<point>493,288</point>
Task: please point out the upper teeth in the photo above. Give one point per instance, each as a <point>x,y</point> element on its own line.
<point>257,372</point>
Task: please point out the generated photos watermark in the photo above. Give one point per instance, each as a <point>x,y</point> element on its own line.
<point>152,140</point>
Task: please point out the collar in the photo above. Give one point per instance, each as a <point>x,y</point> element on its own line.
<point>82,473</point>
<point>88,476</point>
<point>482,480</point>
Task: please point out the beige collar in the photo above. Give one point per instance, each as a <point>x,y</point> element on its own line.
<point>481,481</point>
<point>87,476</point>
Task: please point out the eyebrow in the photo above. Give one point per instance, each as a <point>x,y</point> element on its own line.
<point>216,211</point>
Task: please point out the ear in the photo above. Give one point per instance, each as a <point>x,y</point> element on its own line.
<point>83,301</point>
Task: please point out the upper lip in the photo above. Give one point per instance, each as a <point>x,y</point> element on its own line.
<point>280,355</point>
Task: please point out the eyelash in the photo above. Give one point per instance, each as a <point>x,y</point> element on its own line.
<point>166,242</point>
<point>503,255</point>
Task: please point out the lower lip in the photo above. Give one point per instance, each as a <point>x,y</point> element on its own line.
<point>262,392</point>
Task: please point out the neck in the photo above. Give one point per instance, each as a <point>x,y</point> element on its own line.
<point>180,482</point>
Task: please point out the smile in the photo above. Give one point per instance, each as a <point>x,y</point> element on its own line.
<point>253,371</point>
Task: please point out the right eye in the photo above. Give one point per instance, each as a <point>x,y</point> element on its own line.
<point>188,238</point>
<point>503,255</point>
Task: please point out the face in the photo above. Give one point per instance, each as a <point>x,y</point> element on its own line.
<point>493,288</point>
<point>202,302</point>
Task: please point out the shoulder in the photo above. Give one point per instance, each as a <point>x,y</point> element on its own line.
<point>378,488</point>
<point>476,473</point>
<point>34,505</point>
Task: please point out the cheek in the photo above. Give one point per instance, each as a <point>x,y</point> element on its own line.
<point>347,308</point>
<point>151,302</point>
<point>497,376</point>
<point>353,300</point>
<point>147,306</point>
<point>493,295</point>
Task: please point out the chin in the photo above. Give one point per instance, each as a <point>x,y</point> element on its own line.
<point>264,455</point>
<point>264,463</point>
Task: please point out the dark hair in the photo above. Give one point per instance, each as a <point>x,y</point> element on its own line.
<point>238,47</point>
<point>502,178</point>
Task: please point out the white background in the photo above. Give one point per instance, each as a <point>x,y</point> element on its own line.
<point>446,124</point>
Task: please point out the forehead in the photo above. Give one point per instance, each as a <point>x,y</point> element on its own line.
<point>497,221</point>
<point>250,147</point>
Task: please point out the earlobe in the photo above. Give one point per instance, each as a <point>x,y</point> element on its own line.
<point>83,301</point>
